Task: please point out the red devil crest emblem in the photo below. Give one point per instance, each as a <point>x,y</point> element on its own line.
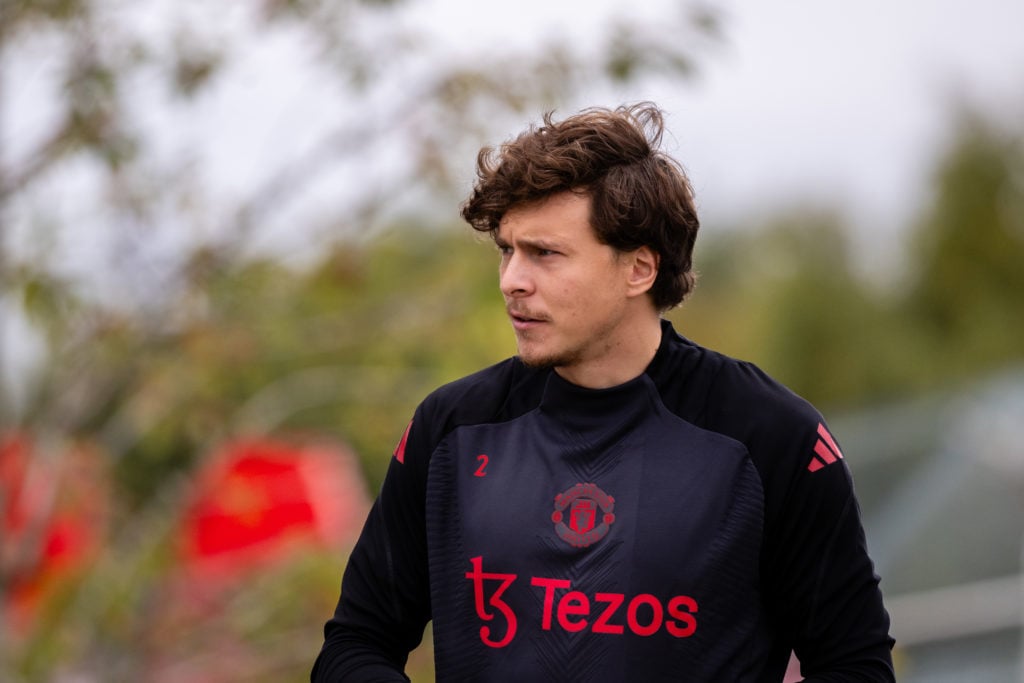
<point>583,514</point>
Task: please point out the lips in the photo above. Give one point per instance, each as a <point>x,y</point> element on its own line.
<point>523,320</point>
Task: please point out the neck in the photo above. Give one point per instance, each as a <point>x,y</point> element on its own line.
<point>624,357</point>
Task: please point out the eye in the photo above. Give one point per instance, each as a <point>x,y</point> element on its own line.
<point>541,251</point>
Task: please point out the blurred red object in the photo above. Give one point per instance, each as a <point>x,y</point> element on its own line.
<point>55,512</point>
<point>258,500</point>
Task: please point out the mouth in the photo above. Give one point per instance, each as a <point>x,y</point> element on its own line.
<point>524,320</point>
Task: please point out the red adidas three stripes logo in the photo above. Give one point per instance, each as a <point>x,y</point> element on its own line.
<point>826,451</point>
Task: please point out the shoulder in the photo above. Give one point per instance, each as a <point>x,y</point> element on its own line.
<point>798,460</point>
<point>738,399</point>
<point>745,399</point>
<point>728,395</point>
<point>496,393</point>
<point>778,427</point>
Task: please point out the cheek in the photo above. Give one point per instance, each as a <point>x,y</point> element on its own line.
<point>576,300</point>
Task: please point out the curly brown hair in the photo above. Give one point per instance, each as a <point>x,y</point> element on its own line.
<point>639,195</point>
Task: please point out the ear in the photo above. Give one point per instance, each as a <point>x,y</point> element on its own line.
<point>643,270</point>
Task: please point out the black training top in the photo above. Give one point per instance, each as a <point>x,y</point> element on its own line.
<point>696,523</point>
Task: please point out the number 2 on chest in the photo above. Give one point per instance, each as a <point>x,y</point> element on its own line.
<point>481,471</point>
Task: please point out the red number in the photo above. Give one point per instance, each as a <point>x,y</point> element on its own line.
<point>481,471</point>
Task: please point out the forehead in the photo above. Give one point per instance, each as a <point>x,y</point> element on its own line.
<point>563,217</point>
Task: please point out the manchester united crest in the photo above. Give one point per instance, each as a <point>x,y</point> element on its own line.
<point>583,515</point>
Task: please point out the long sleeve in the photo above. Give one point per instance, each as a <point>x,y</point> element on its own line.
<point>820,580</point>
<point>818,583</point>
<point>385,596</point>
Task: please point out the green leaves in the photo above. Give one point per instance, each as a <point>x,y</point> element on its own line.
<point>792,297</point>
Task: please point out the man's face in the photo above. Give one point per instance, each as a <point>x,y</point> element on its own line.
<point>566,293</point>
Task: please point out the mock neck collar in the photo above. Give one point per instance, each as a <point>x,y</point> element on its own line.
<point>582,407</point>
<point>585,409</point>
<point>661,356</point>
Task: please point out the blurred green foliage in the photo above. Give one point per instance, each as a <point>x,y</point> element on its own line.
<point>791,295</point>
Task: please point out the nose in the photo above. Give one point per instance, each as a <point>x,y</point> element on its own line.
<point>514,276</point>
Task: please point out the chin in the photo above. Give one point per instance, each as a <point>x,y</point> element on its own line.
<point>536,362</point>
<point>550,359</point>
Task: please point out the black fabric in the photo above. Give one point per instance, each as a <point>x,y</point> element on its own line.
<point>671,528</point>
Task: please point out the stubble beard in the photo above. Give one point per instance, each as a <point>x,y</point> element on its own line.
<point>552,359</point>
<point>546,362</point>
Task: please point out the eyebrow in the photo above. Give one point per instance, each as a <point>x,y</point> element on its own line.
<point>531,243</point>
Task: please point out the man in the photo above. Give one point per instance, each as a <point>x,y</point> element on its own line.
<point>615,503</point>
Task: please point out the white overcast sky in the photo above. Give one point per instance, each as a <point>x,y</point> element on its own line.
<point>844,101</point>
<point>831,102</point>
<point>835,102</point>
<point>827,102</point>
